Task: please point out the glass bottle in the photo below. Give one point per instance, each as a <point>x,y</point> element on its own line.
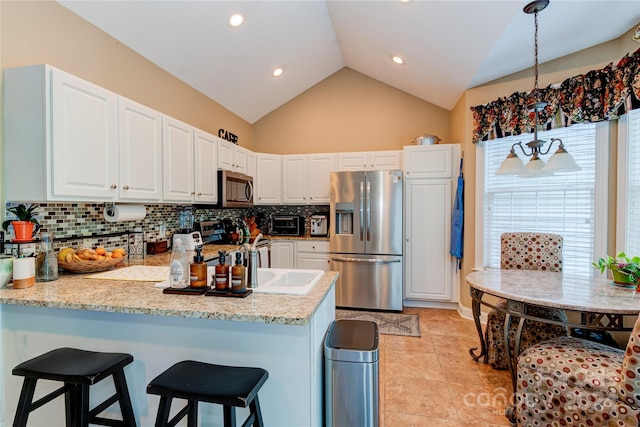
<point>222,273</point>
<point>47,260</point>
<point>179,266</point>
<point>238,285</point>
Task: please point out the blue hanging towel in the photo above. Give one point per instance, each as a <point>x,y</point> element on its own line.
<point>457,221</point>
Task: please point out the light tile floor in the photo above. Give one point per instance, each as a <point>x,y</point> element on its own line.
<point>433,381</point>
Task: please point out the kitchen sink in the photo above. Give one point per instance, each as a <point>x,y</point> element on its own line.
<point>286,281</point>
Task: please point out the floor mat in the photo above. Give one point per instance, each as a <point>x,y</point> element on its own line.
<point>388,323</point>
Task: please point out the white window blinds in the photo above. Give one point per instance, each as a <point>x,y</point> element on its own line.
<point>564,203</point>
<point>632,220</point>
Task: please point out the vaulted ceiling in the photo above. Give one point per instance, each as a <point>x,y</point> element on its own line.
<point>449,46</point>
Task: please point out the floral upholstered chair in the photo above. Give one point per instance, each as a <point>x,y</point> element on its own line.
<point>574,382</point>
<point>525,251</point>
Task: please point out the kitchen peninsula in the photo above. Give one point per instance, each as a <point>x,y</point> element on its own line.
<point>280,333</point>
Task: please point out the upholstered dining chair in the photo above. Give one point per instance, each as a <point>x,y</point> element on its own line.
<point>525,251</point>
<point>573,381</point>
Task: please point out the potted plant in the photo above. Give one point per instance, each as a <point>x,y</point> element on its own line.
<point>625,270</point>
<point>26,226</point>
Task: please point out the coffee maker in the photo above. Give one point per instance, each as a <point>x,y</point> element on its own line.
<point>319,225</point>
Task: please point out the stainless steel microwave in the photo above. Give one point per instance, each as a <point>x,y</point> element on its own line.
<point>235,190</point>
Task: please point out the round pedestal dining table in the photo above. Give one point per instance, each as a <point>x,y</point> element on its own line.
<point>590,302</point>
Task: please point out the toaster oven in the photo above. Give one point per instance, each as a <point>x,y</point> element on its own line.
<point>287,225</point>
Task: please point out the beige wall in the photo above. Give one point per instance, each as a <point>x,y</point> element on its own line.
<point>37,32</point>
<point>551,72</point>
<point>349,111</point>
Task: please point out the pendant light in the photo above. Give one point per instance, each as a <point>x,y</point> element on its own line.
<point>561,161</point>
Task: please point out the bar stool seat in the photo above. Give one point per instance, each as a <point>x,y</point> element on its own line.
<point>78,370</point>
<point>230,386</point>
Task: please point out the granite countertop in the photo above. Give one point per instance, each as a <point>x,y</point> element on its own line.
<point>77,292</point>
<point>557,290</point>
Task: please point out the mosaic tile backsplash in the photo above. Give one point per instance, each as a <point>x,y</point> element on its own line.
<point>83,224</point>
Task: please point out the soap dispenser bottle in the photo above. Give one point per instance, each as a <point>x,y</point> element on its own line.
<point>238,284</point>
<point>222,273</point>
<point>179,266</point>
<point>198,270</point>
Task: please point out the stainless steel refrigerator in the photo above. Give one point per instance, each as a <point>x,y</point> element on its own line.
<point>366,239</point>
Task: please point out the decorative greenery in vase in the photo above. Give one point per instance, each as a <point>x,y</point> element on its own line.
<point>624,269</point>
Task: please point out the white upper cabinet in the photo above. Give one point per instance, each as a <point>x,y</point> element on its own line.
<point>306,178</point>
<point>206,174</point>
<point>268,185</point>
<point>430,161</point>
<point>369,160</point>
<point>140,156</point>
<point>232,157</point>
<point>60,137</point>
<point>178,165</point>
<point>251,164</point>
<point>294,179</point>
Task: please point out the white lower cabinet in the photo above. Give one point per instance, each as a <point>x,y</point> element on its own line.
<point>282,254</point>
<point>312,255</point>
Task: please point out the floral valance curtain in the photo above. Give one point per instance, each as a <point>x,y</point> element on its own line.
<point>592,97</point>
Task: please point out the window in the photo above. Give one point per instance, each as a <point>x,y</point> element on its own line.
<point>569,204</point>
<point>629,183</point>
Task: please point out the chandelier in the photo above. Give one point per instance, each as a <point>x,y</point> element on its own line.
<point>561,161</point>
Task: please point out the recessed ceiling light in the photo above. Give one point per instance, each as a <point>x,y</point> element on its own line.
<point>236,20</point>
<point>397,60</point>
<point>277,72</point>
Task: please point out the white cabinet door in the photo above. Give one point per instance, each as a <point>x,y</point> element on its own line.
<point>356,161</point>
<point>232,157</point>
<point>251,163</point>
<point>177,154</point>
<point>369,160</point>
<point>205,172</point>
<point>319,177</point>
<point>83,143</point>
<point>226,155</point>
<point>294,179</point>
<point>430,161</point>
<point>385,160</point>
<point>428,265</point>
<point>269,179</point>
<point>241,159</point>
<point>140,145</point>
<point>311,254</point>
<point>282,254</point>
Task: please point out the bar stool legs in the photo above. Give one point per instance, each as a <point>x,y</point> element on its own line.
<point>78,370</point>
<point>196,382</point>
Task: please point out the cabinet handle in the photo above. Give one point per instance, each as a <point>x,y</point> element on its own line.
<point>407,239</point>
<point>126,187</point>
<point>313,247</point>
<point>193,193</point>
<point>199,194</point>
<point>113,187</point>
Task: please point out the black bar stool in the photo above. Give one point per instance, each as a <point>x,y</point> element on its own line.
<point>229,386</point>
<point>78,369</point>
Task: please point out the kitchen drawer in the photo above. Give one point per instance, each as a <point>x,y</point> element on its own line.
<point>312,246</point>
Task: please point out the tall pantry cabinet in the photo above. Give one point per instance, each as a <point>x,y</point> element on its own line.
<point>430,182</point>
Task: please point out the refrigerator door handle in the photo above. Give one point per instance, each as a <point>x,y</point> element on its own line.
<point>371,261</point>
<point>361,210</point>
<point>368,211</point>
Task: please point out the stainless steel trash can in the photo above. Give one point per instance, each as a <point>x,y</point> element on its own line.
<point>351,374</point>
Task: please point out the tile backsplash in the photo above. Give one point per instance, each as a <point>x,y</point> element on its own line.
<point>77,224</point>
